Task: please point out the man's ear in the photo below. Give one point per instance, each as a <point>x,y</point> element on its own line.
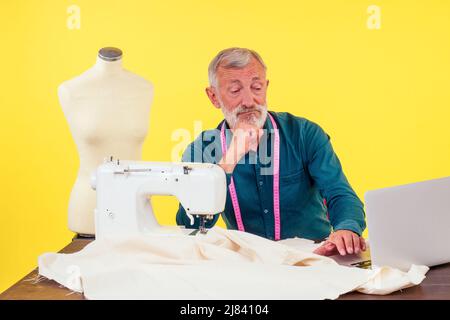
<point>212,95</point>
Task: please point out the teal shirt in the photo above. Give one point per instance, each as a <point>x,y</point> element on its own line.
<point>310,172</point>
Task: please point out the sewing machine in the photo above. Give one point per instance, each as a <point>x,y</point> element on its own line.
<point>124,187</point>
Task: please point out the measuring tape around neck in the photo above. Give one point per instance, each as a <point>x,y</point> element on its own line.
<point>276,181</point>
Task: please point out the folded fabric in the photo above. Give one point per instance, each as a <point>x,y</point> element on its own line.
<point>222,264</point>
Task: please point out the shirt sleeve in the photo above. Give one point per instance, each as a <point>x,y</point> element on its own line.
<point>191,153</point>
<point>344,207</point>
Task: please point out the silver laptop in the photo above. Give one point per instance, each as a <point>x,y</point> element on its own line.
<point>409,224</point>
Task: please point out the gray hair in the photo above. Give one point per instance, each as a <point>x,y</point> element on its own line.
<point>231,58</point>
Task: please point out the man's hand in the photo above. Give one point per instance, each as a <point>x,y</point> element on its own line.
<point>342,242</point>
<point>246,138</point>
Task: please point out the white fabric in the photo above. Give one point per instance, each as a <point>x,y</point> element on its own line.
<point>222,264</point>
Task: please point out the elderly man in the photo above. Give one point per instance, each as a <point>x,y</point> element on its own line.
<point>284,179</point>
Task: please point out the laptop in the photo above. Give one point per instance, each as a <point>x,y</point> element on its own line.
<point>409,224</point>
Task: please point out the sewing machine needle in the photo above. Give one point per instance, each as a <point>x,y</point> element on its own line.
<point>202,225</point>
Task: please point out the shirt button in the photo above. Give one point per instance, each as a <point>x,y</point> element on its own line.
<point>261,183</point>
<point>265,210</point>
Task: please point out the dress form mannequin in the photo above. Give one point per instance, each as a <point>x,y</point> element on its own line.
<point>107,108</point>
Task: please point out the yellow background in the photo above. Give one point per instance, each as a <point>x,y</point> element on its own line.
<point>383,95</point>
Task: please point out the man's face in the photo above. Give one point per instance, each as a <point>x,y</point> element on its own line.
<point>241,94</point>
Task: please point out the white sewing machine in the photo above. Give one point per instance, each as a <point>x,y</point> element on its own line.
<point>123,190</point>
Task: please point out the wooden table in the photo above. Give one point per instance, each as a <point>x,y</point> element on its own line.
<point>436,286</point>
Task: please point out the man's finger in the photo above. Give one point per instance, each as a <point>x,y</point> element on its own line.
<point>327,249</point>
<point>348,240</point>
<point>332,249</point>
<point>363,244</point>
<point>356,243</point>
<point>322,250</point>
<point>339,242</point>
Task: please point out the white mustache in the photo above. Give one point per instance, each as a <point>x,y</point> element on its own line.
<point>247,111</point>
<point>232,117</point>
<point>242,109</point>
